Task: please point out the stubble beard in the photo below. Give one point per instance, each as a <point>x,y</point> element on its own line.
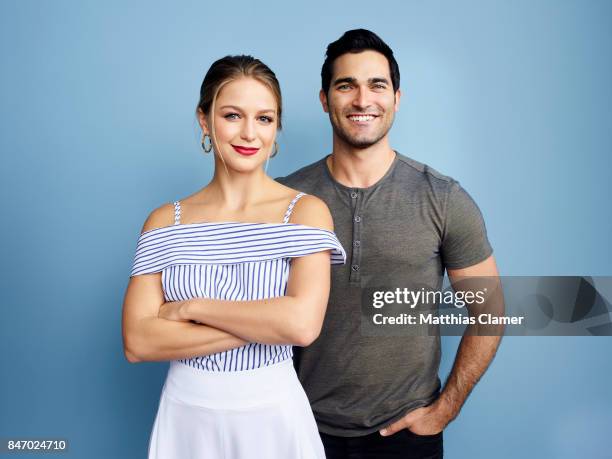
<point>359,142</point>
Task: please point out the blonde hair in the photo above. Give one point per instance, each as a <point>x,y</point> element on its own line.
<point>225,70</point>
<point>231,68</point>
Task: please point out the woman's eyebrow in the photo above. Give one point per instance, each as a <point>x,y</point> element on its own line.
<point>234,107</point>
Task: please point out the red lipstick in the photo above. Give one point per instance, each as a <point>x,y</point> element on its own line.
<point>246,151</point>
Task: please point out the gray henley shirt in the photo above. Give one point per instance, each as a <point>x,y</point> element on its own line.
<point>405,229</point>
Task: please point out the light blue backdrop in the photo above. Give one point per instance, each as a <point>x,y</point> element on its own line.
<point>97,127</point>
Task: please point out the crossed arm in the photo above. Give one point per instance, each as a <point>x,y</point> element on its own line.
<point>155,330</point>
<point>473,357</point>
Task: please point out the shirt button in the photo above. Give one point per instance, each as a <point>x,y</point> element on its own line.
<point>354,194</point>
<point>355,267</point>
<point>356,243</point>
<point>357,218</point>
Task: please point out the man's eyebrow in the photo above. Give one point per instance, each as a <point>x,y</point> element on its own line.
<point>353,80</point>
<point>378,80</point>
<point>350,80</point>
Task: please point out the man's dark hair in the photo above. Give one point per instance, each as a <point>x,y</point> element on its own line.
<point>356,41</point>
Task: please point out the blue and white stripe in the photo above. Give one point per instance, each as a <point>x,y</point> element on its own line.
<point>291,206</point>
<point>230,261</point>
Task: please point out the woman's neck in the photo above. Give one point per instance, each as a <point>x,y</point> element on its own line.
<point>236,191</point>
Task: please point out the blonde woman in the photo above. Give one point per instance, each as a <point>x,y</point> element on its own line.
<point>226,280</point>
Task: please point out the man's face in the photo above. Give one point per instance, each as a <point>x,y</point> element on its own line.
<point>361,102</point>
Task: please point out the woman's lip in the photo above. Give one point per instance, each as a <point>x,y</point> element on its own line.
<point>248,151</point>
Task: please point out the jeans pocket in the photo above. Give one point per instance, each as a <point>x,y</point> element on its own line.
<point>411,434</point>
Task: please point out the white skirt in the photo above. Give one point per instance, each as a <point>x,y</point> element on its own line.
<point>261,413</point>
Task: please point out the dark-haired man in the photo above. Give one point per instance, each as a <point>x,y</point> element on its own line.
<point>401,222</point>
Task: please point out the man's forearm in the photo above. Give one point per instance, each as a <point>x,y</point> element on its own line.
<point>161,340</point>
<point>474,355</point>
<point>479,342</point>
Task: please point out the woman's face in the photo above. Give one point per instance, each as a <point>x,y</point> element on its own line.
<point>245,123</point>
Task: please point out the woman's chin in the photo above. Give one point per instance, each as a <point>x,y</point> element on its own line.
<point>244,167</point>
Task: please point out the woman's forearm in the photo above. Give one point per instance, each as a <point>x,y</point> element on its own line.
<point>158,339</point>
<point>280,320</point>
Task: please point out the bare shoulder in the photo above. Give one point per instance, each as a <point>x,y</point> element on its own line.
<point>312,211</point>
<point>160,217</point>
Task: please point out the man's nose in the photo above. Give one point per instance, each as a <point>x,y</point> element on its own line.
<point>361,99</point>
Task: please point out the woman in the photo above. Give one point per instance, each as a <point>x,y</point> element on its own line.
<point>226,280</point>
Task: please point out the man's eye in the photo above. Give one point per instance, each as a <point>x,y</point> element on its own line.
<point>343,87</point>
<point>232,116</point>
<point>380,86</point>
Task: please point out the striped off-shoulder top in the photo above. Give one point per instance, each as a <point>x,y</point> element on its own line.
<point>231,261</point>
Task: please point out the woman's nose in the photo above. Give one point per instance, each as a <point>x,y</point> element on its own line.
<point>248,131</point>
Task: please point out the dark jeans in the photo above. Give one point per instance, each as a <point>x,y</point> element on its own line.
<point>404,444</point>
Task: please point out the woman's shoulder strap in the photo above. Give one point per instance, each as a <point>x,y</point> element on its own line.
<point>177,212</point>
<point>291,206</point>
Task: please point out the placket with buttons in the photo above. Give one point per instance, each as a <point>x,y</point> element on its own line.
<point>356,201</point>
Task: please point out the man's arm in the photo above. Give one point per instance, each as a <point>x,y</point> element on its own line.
<point>474,355</point>
<point>475,352</point>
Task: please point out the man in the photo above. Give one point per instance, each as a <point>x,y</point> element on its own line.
<point>401,222</point>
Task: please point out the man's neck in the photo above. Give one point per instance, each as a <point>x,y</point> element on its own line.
<point>360,168</point>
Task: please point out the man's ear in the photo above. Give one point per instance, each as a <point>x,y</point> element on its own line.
<point>203,121</point>
<point>323,99</point>
<point>398,95</point>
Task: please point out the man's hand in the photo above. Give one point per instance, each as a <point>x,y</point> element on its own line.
<point>428,420</point>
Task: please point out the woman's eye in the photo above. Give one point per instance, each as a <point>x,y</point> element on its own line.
<point>231,116</point>
<point>266,119</point>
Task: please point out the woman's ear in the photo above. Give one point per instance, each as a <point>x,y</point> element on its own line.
<point>203,121</point>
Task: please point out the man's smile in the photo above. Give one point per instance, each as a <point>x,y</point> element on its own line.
<point>361,118</point>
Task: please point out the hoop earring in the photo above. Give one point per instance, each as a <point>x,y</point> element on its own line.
<point>275,150</point>
<point>205,147</point>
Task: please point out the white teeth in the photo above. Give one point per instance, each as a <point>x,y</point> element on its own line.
<point>362,118</point>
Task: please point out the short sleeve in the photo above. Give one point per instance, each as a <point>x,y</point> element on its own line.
<point>464,240</point>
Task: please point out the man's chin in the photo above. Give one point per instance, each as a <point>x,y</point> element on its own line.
<point>362,145</point>
<point>360,142</point>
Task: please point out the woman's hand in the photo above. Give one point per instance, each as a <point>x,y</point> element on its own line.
<point>173,310</point>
